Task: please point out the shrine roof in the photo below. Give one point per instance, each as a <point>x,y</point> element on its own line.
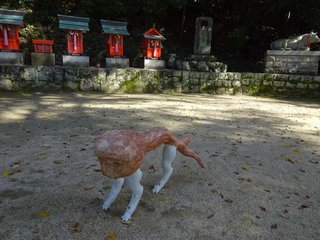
<point>114,27</point>
<point>152,33</point>
<point>73,23</point>
<point>11,17</point>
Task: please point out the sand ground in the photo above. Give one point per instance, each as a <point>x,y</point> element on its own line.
<point>261,179</point>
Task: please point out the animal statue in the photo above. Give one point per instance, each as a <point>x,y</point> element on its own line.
<point>121,153</point>
<point>298,43</point>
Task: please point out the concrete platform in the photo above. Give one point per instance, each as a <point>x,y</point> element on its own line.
<point>154,64</point>
<point>43,59</point>
<point>11,58</point>
<point>75,61</point>
<point>117,62</point>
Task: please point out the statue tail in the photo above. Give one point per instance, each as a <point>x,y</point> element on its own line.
<point>184,150</point>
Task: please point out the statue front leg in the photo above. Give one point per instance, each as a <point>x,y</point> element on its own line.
<point>116,187</point>
<point>135,186</point>
<point>168,155</point>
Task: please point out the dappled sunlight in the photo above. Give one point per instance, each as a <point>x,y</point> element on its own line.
<point>14,114</point>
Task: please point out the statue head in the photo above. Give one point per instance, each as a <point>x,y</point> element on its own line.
<point>313,37</point>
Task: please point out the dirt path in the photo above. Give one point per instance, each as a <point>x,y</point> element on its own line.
<point>261,179</point>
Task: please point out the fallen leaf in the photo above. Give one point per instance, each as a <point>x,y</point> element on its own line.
<point>245,168</point>
<point>97,170</point>
<point>6,173</point>
<point>73,135</point>
<point>87,188</point>
<point>296,151</point>
<point>274,226</point>
<point>228,200</point>
<point>290,160</point>
<point>44,214</point>
<point>126,222</point>
<point>57,161</point>
<point>15,166</point>
<point>111,236</point>
<point>262,208</point>
<point>43,154</point>
<point>315,162</point>
<point>76,227</point>
<point>305,205</point>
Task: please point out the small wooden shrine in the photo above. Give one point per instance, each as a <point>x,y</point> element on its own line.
<point>115,49</point>
<point>10,21</point>
<point>43,52</point>
<point>152,44</point>
<point>152,47</point>
<point>75,27</point>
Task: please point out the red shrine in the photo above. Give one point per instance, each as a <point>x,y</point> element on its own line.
<point>152,44</point>
<point>10,21</point>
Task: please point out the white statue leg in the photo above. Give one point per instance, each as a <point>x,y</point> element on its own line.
<point>116,187</point>
<point>133,182</point>
<point>168,155</point>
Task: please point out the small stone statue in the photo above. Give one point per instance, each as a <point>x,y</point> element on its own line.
<point>298,43</point>
<point>121,153</point>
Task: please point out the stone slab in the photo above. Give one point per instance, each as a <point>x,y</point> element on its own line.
<point>117,62</point>
<point>43,59</point>
<point>75,61</point>
<point>12,58</point>
<point>154,64</point>
<point>292,53</point>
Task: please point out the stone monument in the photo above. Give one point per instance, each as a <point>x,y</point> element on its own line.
<point>203,36</point>
<point>201,60</point>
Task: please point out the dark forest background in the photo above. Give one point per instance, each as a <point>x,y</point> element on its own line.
<point>242,29</point>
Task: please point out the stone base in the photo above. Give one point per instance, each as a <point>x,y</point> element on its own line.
<point>75,61</point>
<point>117,62</point>
<point>43,59</point>
<point>154,64</point>
<point>12,58</point>
<point>295,62</point>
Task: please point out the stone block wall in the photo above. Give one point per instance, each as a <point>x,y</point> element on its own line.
<point>294,62</point>
<point>134,80</point>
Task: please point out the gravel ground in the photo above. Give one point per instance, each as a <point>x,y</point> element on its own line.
<point>261,179</point>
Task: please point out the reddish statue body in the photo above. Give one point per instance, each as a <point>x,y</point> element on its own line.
<point>121,153</point>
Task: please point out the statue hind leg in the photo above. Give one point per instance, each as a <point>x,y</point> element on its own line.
<point>135,186</point>
<point>168,155</point>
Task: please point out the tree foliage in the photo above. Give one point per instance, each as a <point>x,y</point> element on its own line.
<point>242,30</point>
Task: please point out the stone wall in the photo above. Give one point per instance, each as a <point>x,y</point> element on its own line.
<point>134,80</point>
<point>294,62</point>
